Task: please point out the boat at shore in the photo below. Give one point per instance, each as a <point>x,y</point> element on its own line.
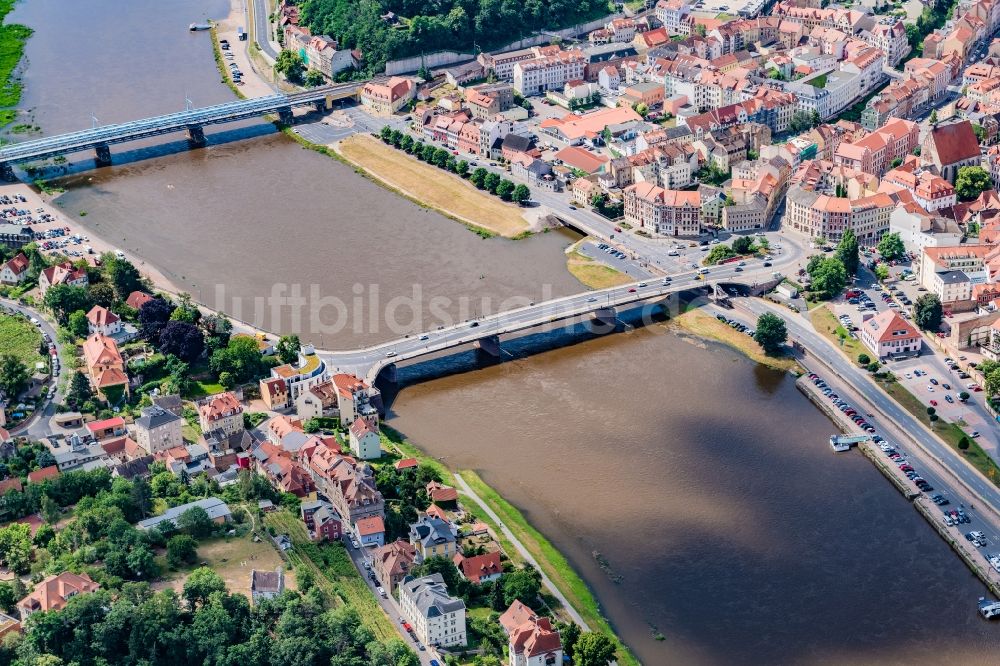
<point>194,27</point>
<point>989,609</point>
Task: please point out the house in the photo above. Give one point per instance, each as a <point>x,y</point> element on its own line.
<point>481,568</point>
<point>156,430</point>
<point>355,398</point>
<point>308,371</point>
<point>274,393</point>
<point>221,412</point>
<point>103,321</point>
<point>266,584</point>
<point>107,428</point>
<point>348,484</point>
<point>887,334</point>
<point>392,562</point>
<point>950,147</point>
<point>171,403</point>
<point>370,531</point>
<point>15,271</point>
<point>64,273</point>
<point>437,617</point>
<point>11,484</point>
<point>441,494</point>
<point>15,235</point>
<point>322,520</point>
<point>132,469</point>
<point>532,641</point>
<point>406,463</point>
<point>105,365</point>
<point>137,299</point>
<point>217,510</point>
<point>385,98</point>
<point>39,475</point>
<point>8,625</point>
<point>53,592</point>
<point>663,212</point>
<point>432,537</point>
<point>365,440</point>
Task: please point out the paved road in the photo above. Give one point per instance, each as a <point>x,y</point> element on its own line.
<point>262,31</point>
<point>367,362</point>
<point>37,426</point>
<point>802,331</point>
<point>467,490</point>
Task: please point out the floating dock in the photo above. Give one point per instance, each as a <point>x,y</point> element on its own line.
<point>842,443</point>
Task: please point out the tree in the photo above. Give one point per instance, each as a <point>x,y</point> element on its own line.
<point>570,635</point>
<point>828,276</point>
<point>964,443</point>
<point>462,168</point>
<point>440,158</point>
<point>848,252</point>
<point>14,375</point>
<point>101,293</point>
<point>864,359</point>
<point>927,312</point>
<point>641,109</point>
<point>933,117</point>
<point>971,182</point>
<point>153,316</point>
<point>314,78</point>
<point>15,547</point>
<point>290,64</point>
<point>522,585</point>
<point>491,181</point>
<point>699,29</point>
<point>201,584</point>
<point>241,358</point>
<point>122,274</point>
<point>520,194</point>
<point>288,348</point>
<point>963,396</point>
<point>77,324</point>
<point>719,253</point>
<point>79,389</point>
<point>407,143</point>
<point>181,549</point>
<point>505,189</point>
<point>385,134</point>
<point>881,272</point>
<point>196,522</point>
<point>64,299</point>
<point>742,244</point>
<point>593,649</point>
<point>185,341</point>
<point>770,333</point>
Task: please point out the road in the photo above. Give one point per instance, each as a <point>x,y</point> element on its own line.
<point>37,426</point>
<point>801,330</point>
<point>467,490</point>
<point>367,362</point>
<point>262,30</point>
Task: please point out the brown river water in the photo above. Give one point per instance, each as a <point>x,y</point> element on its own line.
<point>691,488</point>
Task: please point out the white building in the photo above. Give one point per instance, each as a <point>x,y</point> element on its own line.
<point>538,75</point>
<point>889,335</point>
<point>672,14</point>
<point>104,321</point>
<point>365,440</point>
<point>437,617</point>
<point>919,231</point>
<point>158,430</point>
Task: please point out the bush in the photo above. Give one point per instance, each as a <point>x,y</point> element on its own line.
<point>863,359</point>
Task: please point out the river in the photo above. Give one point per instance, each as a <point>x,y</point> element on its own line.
<point>701,481</point>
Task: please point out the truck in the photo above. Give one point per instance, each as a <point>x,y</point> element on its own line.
<point>241,34</point>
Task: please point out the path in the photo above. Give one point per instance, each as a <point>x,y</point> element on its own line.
<point>556,592</point>
<point>37,425</point>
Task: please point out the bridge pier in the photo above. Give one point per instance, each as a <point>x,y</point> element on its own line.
<point>489,345</point>
<point>321,105</point>
<point>390,373</point>
<point>285,115</point>
<point>103,151</point>
<point>196,135</point>
<point>7,172</point>
<point>604,320</point>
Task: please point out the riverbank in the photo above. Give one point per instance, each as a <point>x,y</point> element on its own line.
<point>702,324</point>
<point>591,272</point>
<point>553,565</point>
<point>12,39</point>
<point>433,188</point>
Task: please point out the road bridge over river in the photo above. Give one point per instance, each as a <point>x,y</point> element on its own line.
<point>193,121</point>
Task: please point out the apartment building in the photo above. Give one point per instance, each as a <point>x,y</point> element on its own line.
<point>663,212</point>
<point>551,72</point>
<point>437,617</point>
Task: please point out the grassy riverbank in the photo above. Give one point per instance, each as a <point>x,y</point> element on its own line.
<point>432,187</point>
<point>12,39</point>
<point>826,324</point>
<point>552,562</point>
<point>593,273</point>
<point>703,324</point>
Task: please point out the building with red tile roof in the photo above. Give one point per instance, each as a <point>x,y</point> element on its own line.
<point>440,493</point>
<point>950,147</point>
<point>53,592</point>
<point>64,273</point>
<point>103,321</point>
<point>532,641</point>
<point>39,475</point>
<point>406,463</point>
<point>480,568</point>
<point>105,365</point>
<point>15,270</point>
<point>137,299</point>
<point>663,212</point>
<point>221,412</point>
<point>392,562</point>
<point>113,427</point>
<point>887,334</point>
<point>370,531</point>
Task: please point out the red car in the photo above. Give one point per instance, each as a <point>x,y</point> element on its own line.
<point>934,403</point>
<point>632,290</point>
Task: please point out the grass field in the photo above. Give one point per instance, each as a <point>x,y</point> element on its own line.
<point>12,38</point>
<point>592,273</point>
<point>433,187</point>
<point>826,324</point>
<point>20,338</point>
<point>233,559</point>
<point>706,325</point>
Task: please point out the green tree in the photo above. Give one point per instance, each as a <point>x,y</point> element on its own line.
<point>462,168</point>
<point>771,332</point>
<point>742,244</point>
<point>289,63</point>
<point>520,194</point>
<point>828,276</point>
<point>478,178</point>
<point>241,358</point>
<point>522,585</point>
<point>201,584</point>
<point>848,252</point>
<point>14,375</point>
<point>570,635</point>
<point>15,547</point>
<point>719,253</point>
<point>963,396</point>
<point>288,348</point>
<point>881,272</point>
<point>593,649</point>
<point>505,189</point>
<point>385,134</point>
<point>927,312</point>
<point>491,182</point>
<point>964,443</point>
<point>101,293</point>
<point>933,117</point>
<point>407,143</point>
<point>77,324</point>
<point>64,299</point>
<point>864,359</point>
<point>181,549</point>
<point>314,78</point>
<point>971,182</point>
<point>440,158</point>
<point>122,274</point>
<point>196,522</point>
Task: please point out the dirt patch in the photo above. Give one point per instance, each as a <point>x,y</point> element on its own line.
<point>433,187</point>
<point>232,559</point>
<point>703,324</point>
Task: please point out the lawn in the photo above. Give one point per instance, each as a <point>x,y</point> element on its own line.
<point>20,338</point>
<point>433,187</point>
<point>818,82</point>
<point>826,324</point>
<point>949,432</point>
<point>702,323</point>
<point>232,558</point>
<point>592,273</point>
